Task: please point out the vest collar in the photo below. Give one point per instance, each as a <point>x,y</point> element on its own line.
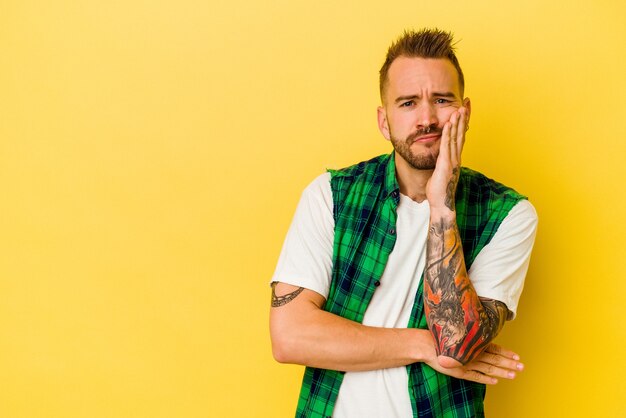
<point>390,185</point>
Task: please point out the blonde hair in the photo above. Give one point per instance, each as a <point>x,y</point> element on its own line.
<point>425,43</point>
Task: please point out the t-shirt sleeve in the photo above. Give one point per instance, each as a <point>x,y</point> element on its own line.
<point>306,257</point>
<point>499,270</point>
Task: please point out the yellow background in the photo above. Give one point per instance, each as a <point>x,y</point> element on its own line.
<point>152,154</point>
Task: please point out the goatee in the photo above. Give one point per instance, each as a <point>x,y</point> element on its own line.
<point>424,161</point>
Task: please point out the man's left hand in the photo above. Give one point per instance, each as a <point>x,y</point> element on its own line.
<point>441,187</point>
<point>495,362</point>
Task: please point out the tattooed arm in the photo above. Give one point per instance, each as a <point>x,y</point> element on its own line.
<point>461,323</point>
<point>303,333</point>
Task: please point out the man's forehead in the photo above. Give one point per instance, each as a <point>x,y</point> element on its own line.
<point>406,73</point>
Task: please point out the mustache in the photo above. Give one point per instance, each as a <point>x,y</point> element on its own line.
<point>433,129</point>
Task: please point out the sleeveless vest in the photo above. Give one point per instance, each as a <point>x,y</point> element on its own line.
<point>365,199</point>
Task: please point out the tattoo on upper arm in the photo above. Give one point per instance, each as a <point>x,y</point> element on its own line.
<point>462,323</point>
<point>284,299</point>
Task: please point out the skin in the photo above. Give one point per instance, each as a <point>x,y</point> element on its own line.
<point>422,110</point>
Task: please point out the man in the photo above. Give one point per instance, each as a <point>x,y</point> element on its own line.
<point>398,272</point>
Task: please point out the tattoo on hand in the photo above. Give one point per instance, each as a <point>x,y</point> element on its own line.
<point>451,189</point>
<point>461,325</point>
<point>285,299</point>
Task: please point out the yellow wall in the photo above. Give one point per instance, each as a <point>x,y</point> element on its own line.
<point>152,154</point>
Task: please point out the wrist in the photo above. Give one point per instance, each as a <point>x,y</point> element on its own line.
<point>438,213</point>
<point>423,346</point>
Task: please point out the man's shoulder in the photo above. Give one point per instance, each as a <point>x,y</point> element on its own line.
<point>371,166</point>
<point>476,182</point>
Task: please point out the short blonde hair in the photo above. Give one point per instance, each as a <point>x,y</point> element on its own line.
<point>425,43</point>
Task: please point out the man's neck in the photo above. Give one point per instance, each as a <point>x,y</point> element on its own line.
<point>412,181</point>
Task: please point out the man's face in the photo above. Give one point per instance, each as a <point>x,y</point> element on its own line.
<point>420,96</point>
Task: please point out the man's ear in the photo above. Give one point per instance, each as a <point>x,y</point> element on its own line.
<point>383,125</point>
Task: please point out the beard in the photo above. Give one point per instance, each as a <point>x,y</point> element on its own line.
<point>422,161</point>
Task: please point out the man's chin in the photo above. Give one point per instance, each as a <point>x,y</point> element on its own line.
<point>422,166</point>
<point>422,162</point>
<point>425,160</point>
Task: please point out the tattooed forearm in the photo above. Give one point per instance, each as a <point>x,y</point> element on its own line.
<point>461,325</point>
<point>451,189</point>
<point>284,299</point>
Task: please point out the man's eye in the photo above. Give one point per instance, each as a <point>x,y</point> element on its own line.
<point>407,104</point>
<point>441,101</point>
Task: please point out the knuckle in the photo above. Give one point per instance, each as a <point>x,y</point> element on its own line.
<point>477,376</point>
<point>472,375</point>
<point>495,348</point>
<point>495,359</point>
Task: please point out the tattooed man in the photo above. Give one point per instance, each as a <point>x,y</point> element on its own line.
<point>397,273</point>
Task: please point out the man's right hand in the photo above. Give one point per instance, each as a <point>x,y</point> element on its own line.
<point>493,363</point>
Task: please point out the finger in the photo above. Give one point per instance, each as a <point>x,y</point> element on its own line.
<point>444,147</point>
<point>462,128</point>
<point>478,377</point>
<point>500,361</point>
<point>498,349</point>
<point>491,370</point>
<point>454,156</point>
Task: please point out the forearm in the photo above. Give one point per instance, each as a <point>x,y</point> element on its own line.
<point>302,333</point>
<point>462,325</point>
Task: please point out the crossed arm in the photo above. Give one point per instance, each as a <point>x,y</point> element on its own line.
<point>303,333</point>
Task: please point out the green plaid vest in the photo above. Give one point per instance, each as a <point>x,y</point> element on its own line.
<point>365,199</point>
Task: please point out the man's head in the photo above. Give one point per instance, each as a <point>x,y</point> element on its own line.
<point>421,88</point>
<point>426,43</point>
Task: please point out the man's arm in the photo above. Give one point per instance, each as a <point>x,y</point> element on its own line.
<point>461,323</point>
<point>303,333</point>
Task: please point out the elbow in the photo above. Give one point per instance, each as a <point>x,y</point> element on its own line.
<point>280,352</point>
<point>284,349</point>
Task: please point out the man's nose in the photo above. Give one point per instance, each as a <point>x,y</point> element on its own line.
<point>427,117</point>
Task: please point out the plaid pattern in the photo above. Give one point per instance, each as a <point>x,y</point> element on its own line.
<point>365,198</point>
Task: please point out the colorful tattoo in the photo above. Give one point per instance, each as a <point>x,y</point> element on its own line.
<point>285,299</point>
<point>461,325</point>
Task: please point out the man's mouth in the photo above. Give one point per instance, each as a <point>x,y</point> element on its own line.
<point>427,138</point>
<point>422,137</point>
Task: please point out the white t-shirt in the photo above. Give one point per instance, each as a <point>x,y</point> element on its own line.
<point>306,261</point>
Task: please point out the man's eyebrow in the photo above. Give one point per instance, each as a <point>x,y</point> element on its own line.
<point>403,98</point>
<point>445,94</point>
